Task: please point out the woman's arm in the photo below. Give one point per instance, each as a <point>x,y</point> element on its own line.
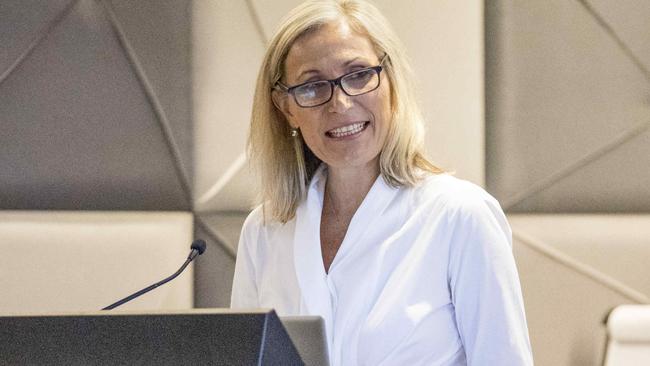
<point>244,285</point>
<point>485,287</point>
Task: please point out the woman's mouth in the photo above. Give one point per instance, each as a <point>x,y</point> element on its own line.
<point>348,130</point>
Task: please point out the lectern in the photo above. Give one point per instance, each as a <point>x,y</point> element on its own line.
<point>193,337</point>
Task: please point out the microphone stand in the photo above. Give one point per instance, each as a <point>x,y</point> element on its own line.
<point>198,247</point>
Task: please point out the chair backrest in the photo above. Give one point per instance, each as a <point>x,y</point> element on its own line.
<point>628,330</point>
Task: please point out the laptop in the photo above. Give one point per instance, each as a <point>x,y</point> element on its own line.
<point>308,336</point>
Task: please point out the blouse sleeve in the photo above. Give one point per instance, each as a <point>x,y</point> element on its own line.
<point>484,285</point>
<point>244,285</point>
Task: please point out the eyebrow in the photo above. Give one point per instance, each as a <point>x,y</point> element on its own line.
<point>315,71</point>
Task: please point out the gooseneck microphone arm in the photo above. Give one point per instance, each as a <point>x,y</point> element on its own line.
<point>198,247</point>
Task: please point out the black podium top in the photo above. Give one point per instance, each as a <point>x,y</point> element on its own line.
<point>193,337</point>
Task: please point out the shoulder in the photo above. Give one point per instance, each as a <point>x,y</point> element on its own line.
<point>462,205</point>
<point>254,226</point>
<point>259,220</point>
<point>260,227</point>
<point>452,194</point>
<point>251,233</point>
<point>255,219</point>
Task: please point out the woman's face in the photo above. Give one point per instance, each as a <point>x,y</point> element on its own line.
<point>347,131</point>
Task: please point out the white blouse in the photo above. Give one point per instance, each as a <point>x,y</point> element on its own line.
<point>424,276</point>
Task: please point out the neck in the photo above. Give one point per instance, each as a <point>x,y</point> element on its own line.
<point>347,187</point>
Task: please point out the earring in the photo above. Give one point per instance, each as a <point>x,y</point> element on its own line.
<point>294,132</point>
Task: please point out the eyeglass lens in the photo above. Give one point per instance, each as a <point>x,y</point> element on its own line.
<point>319,92</point>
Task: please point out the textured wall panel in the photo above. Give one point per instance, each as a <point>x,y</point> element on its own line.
<point>227,225</point>
<point>561,92</point>
<point>78,131</point>
<point>618,181</point>
<point>81,261</point>
<point>159,33</point>
<point>444,40</point>
<point>615,245</point>
<point>213,270</point>
<point>228,50</point>
<point>629,20</point>
<point>564,309</point>
<point>238,192</point>
<point>23,22</point>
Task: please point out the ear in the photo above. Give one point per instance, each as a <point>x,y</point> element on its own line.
<point>281,102</point>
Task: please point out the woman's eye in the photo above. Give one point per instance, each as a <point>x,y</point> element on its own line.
<point>360,76</point>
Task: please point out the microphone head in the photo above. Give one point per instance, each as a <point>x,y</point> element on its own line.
<point>199,245</point>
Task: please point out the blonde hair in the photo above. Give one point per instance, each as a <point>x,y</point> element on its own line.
<point>285,163</point>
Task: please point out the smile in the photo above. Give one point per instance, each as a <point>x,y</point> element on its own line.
<point>348,130</point>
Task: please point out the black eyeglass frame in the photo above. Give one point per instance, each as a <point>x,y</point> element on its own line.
<point>333,83</point>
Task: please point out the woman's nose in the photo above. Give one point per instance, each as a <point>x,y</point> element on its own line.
<point>340,102</point>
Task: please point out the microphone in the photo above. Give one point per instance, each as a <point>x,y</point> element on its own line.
<point>198,247</point>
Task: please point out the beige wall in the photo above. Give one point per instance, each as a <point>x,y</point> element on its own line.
<point>444,40</point>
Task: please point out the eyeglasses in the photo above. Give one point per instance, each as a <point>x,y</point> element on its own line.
<point>316,93</point>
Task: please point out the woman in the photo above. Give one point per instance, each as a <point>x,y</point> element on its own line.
<point>407,265</point>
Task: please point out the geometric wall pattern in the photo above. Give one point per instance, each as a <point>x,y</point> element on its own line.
<point>568,105</point>
<point>98,106</point>
<point>95,114</point>
<point>574,269</point>
<point>93,118</point>
<point>568,137</point>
